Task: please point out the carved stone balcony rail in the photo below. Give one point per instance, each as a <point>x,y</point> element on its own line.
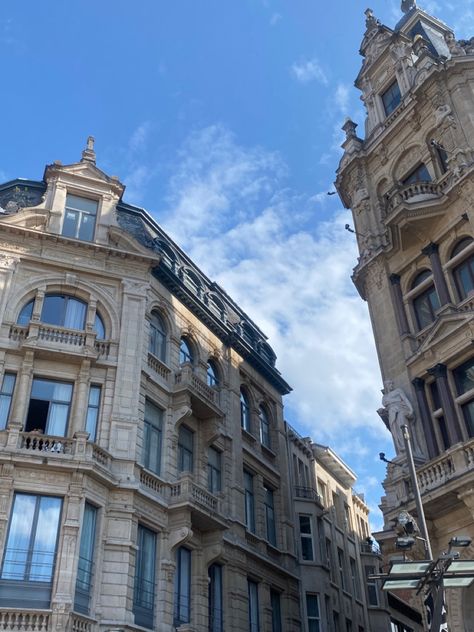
<point>417,192</point>
<point>437,473</point>
<point>153,483</point>
<point>204,398</point>
<point>77,623</point>
<point>186,490</point>
<point>17,620</point>
<point>13,440</point>
<point>53,338</point>
<point>158,367</point>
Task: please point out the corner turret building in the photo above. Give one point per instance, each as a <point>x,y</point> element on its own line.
<point>410,185</point>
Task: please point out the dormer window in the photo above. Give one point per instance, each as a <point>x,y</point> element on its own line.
<point>79,218</point>
<point>391,98</point>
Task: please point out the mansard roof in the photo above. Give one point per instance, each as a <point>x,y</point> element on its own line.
<point>176,271</point>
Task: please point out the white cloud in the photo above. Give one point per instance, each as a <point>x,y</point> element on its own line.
<point>341,97</point>
<point>231,211</point>
<point>309,70</point>
<point>139,137</point>
<point>276,17</point>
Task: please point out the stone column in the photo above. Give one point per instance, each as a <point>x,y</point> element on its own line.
<point>425,417</point>
<point>78,412</point>
<point>21,397</point>
<point>431,250</point>
<point>439,371</point>
<point>398,302</point>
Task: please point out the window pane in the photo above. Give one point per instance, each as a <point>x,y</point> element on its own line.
<point>8,385</point>
<point>211,375</point>
<point>71,220</point>
<point>75,314</point>
<point>57,421</point>
<point>19,536</point>
<point>305,524</point>
<point>254,624</point>
<point>86,559</point>
<point>53,310</point>
<point>81,204</point>
<point>44,542</point>
<point>276,611</point>
<point>86,228</point>
<point>391,98</point>
<point>25,314</point>
<point>144,590</point>
<point>185,354</point>
<point>182,592</point>
<point>99,327</point>
<point>215,598</point>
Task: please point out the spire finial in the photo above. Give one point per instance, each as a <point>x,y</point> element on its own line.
<point>89,154</point>
<point>408,5</point>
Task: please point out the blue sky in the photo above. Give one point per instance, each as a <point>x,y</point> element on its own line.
<point>223,117</point>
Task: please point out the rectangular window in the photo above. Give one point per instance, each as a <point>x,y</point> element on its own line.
<point>329,557</point>
<point>340,561</point>
<point>306,537</point>
<point>93,412</point>
<point>152,437</point>
<point>85,567</point>
<point>323,491</point>
<point>269,514</point>
<point>354,579</point>
<point>6,394</point>
<point>79,218</point>
<point>185,449</point>
<point>144,587</point>
<point>275,601</point>
<point>216,622</point>
<point>30,552</point>
<point>372,592</point>
<point>48,411</point>
<point>214,470</point>
<point>249,502</point>
<point>312,610</point>
<point>348,625</point>
<point>254,619</point>
<point>391,98</point>
<point>347,517</point>
<point>182,587</point>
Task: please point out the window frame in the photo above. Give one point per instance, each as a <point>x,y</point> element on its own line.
<point>144,611</point>
<point>185,452</point>
<point>182,587</point>
<point>245,416</point>
<point>83,593</point>
<point>186,354</point>
<point>390,105</point>
<point>157,340</point>
<point>152,428</point>
<point>306,536</point>
<point>215,598</point>
<point>264,423</point>
<point>93,409</point>
<point>462,259</point>
<point>275,602</point>
<point>249,501</point>
<point>80,214</point>
<point>214,470</point>
<point>310,617</point>
<point>16,592</point>
<point>47,431</point>
<point>270,514</point>
<point>6,397</point>
<point>253,606</point>
<point>423,289</point>
<point>212,374</point>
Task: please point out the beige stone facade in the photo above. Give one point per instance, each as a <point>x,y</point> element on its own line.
<point>336,552</point>
<point>142,435</point>
<point>410,186</point>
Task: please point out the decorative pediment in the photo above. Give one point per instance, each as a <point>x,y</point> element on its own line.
<point>446,327</point>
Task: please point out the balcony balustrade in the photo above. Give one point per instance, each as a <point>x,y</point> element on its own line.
<point>204,398</point>
<point>17,620</point>
<point>159,368</point>
<point>60,339</point>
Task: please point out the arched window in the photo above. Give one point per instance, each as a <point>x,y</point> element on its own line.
<point>157,342</point>
<point>244,411</point>
<point>212,374</point>
<point>264,427</point>
<point>63,311</point>
<point>426,303</point>
<point>185,353</point>
<point>464,272</point>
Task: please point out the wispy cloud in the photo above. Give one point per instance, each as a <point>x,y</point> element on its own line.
<point>308,70</point>
<point>138,170</point>
<point>139,137</point>
<point>231,210</point>
<point>276,17</point>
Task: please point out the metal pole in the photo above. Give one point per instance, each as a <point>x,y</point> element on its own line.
<point>416,491</point>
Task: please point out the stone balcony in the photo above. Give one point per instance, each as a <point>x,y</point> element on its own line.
<point>417,193</point>
<point>59,340</point>
<point>20,620</point>
<point>158,370</point>
<point>63,451</point>
<point>439,480</point>
<point>204,399</point>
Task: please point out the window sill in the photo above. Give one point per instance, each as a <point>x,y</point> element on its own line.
<point>268,451</point>
<point>248,435</point>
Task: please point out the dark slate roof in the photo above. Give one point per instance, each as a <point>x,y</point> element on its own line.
<point>205,298</point>
<point>176,271</point>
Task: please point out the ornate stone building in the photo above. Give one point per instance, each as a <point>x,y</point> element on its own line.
<point>410,185</point>
<point>336,552</point>
<point>143,456</point>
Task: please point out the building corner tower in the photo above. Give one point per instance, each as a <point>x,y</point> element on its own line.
<point>410,185</point>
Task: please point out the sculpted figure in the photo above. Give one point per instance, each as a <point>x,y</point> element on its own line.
<point>400,412</point>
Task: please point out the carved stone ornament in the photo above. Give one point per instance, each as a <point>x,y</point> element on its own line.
<point>371,21</point>
<point>180,536</point>
<point>444,113</point>
<point>454,47</point>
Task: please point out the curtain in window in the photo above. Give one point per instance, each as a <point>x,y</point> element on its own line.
<point>75,316</point>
